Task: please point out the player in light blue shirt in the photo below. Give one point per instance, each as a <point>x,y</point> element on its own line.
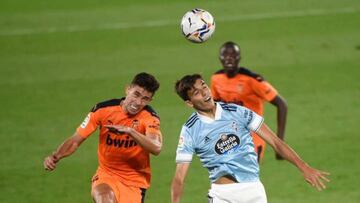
<point>219,134</point>
<point>224,145</point>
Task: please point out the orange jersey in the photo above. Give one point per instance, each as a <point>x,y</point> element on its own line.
<point>120,155</point>
<point>246,88</point>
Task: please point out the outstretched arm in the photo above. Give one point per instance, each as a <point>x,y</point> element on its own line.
<point>68,147</point>
<point>281,106</point>
<point>178,182</point>
<point>152,142</point>
<point>313,176</point>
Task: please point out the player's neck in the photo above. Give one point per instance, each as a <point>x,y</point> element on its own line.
<point>208,113</point>
<point>232,74</point>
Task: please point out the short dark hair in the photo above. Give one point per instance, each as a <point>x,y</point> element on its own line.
<point>229,44</point>
<point>185,84</point>
<point>146,81</point>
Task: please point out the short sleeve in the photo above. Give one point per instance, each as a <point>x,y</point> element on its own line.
<point>185,150</point>
<point>152,125</point>
<point>214,92</point>
<point>249,118</point>
<point>89,125</point>
<point>264,90</point>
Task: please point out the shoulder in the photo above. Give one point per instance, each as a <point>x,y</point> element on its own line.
<point>229,106</point>
<point>191,121</point>
<point>104,104</point>
<point>151,112</point>
<point>218,77</point>
<point>219,72</point>
<point>247,72</point>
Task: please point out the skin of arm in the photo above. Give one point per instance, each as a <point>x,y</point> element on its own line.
<point>313,176</point>
<point>68,147</point>
<point>151,142</point>
<point>178,181</point>
<point>281,106</point>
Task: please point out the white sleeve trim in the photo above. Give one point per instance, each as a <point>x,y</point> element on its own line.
<point>181,158</point>
<point>256,122</point>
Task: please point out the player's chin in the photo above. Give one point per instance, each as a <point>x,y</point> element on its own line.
<point>134,111</point>
<point>209,105</point>
<point>230,70</point>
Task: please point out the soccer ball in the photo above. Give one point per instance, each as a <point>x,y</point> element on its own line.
<point>197,25</point>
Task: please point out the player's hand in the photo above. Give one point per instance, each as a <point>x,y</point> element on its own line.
<point>119,129</point>
<point>316,178</point>
<point>50,162</point>
<point>279,157</point>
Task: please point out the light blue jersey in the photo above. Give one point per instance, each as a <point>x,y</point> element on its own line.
<point>224,145</point>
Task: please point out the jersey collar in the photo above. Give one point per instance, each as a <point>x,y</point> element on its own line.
<point>218,113</point>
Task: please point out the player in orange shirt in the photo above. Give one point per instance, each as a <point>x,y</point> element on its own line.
<point>235,84</point>
<point>129,130</point>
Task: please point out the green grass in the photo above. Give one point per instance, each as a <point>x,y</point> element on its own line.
<point>50,77</point>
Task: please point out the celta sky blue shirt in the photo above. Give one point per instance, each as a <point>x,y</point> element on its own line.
<point>224,144</point>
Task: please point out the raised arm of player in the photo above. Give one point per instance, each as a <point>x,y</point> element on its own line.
<point>313,176</point>
<point>68,147</point>
<point>178,181</point>
<point>281,106</point>
<point>151,142</point>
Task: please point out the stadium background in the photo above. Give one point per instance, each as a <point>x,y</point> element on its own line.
<point>58,58</point>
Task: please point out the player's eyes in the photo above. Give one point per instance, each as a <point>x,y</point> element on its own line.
<point>146,99</point>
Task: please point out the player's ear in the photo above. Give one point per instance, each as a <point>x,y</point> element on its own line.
<point>127,89</point>
<point>189,103</point>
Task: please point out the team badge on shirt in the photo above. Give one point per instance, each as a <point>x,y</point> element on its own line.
<point>181,142</point>
<point>240,88</point>
<point>227,144</point>
<point>135,124</point>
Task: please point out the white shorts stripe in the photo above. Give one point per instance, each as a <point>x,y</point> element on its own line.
<point>252,192</point>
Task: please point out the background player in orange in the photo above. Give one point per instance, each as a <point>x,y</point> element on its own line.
<point>129,132</point>
<point>235,84</point>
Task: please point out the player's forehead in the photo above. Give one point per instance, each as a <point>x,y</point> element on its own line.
<point>136,89</point>
<point>230,50</point>
<point>199,83</point>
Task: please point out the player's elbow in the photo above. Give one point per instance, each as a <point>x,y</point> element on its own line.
<point>156,151</point>
<point>280,103</point>
<point>73,147</point>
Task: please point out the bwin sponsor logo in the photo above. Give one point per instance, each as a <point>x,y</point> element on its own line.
<point>120,142</point>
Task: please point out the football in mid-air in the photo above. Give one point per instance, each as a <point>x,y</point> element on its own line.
<point>197,25</point>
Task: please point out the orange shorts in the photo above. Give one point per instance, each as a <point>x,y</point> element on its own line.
<point>123,193</point>
<point>260,145</point>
